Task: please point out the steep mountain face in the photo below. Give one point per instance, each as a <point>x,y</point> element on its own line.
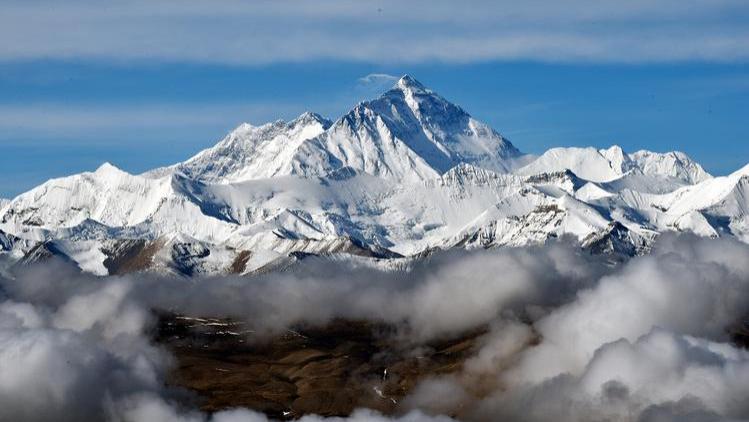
<point>394,179</point>
<point>411,129</point>
<point>7,241</point>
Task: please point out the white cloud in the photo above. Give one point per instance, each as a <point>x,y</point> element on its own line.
<point>647,341</point>
<point>378,78</point>
<point>570,339</point>
<point>263,32</point>
<point>83,120</point>
<point>374,84</point>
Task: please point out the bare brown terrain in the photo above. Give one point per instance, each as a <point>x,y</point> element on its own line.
<point>328,370</point>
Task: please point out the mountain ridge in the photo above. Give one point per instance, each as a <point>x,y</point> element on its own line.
<point>392,180</point>
<point>408,133</point>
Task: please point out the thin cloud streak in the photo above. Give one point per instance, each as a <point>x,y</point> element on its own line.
<point>68,120</point>
<point>258,33</point>
<point>378,78</point>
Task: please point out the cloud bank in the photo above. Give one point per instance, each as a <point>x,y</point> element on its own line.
<point>262,32</point>
<point>569,337</point>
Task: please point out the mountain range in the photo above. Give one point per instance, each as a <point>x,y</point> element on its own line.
<point>393,180</point>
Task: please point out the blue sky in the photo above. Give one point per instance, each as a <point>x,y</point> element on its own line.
<point>143,84</point>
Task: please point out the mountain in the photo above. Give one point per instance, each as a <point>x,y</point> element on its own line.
<point>253,152</point>
<point>715,207</point>
<point>606,165</point>
<point>409,133</point>
<point>675,165</point>
<point>412,133</point>
<point>394,179</point>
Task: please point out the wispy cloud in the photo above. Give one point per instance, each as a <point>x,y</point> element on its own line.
<point>377,78</point>
<point>88,120</point>
<point>262,32</point>
<point>374,84</point>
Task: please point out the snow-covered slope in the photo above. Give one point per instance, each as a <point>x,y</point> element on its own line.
<point>409,133</point>
<point>253,152</point>
<point>393,179</point>
<point>674,165</point>
<point>605,165</point>
<point>108,195</point>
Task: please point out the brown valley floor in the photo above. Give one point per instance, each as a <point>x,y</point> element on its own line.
<point>328,370</point>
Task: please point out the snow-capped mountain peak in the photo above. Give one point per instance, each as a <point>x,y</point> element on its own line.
<point>674,164</point>
<point>107,167</point>
<point>608,165</point>
<point>439,132</point>
<point>110,171</point>
<point>253,152</point>
<point>310,119</point>
<point>408,133</point>
<point>408,83</point>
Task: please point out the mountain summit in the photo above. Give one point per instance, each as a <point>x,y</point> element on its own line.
<point>408,133</point>
<point>408,82</point>
<point>440,132</point>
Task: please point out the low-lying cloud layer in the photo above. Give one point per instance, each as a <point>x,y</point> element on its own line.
<point>569,337</point>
